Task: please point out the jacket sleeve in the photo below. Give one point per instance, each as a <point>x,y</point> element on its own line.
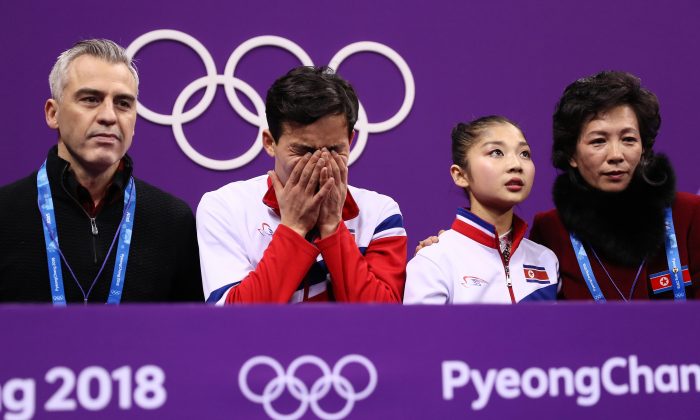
<point>378,275</point>
<point>536,232</point>
<point>425,282</point>
<point>229,276</point>
<point>189,277</point>
<point>693,244</point>
<point>544,233</point>
<point>280,271</point>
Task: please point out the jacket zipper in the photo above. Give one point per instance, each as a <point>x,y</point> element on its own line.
<point>93,220</point>
<point>93,225</point>
<point>505,258</point>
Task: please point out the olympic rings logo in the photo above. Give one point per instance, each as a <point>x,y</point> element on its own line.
<point>231,84</point>
<point>309,397</point>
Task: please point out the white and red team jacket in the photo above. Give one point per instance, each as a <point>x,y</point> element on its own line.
<point>247,256</point>
<point>467,266</point>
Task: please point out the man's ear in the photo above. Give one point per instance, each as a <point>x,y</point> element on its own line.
<point>51,113</point>
<point>268,143</point>
<point>459,176</point>
<point>353,134</point>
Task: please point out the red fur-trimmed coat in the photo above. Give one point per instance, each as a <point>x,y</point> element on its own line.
<point>622,229</point>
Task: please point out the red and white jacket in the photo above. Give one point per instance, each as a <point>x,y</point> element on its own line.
<point>467,266</point>
<point>247,256</point>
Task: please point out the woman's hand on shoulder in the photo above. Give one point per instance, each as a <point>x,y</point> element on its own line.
<point>428,241</point>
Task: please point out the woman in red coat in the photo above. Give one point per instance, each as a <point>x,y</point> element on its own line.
<point>620,230</point>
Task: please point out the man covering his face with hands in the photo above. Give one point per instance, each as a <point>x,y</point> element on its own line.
<point>300,232</point>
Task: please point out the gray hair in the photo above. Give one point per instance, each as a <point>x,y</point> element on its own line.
<point>101,48</point>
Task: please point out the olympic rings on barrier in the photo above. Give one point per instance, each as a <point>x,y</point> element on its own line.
<point>231,84</point>
<point>308,397</point>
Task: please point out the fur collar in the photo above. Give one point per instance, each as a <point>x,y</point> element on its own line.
<point>623,227</point>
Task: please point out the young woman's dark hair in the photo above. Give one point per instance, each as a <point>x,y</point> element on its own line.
<point>464,135</point>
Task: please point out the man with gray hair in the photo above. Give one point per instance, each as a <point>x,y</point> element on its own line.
<point>121,239</point>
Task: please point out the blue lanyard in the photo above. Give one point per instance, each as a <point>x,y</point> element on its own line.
<point>54,254</point>
<point>585,265</point>
<point>672,257</point>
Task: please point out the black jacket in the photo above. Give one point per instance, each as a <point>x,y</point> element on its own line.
<point>163,260</point>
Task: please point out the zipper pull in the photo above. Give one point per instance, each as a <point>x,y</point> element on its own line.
<point>506,265</point>
<point>93,225</point>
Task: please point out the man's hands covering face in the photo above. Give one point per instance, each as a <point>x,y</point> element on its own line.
<point>314,194</point>
<point>300,198</point>
<point>336,170</point>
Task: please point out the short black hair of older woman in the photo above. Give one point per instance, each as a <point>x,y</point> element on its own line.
<point>306,94</point>
<point>586,98</point>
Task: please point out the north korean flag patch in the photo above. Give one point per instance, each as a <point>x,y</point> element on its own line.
<point>535,274</point>
<point>663,282</point>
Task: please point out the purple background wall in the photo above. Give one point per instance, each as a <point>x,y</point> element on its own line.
<point>468,59</point>
<point>202,350</point>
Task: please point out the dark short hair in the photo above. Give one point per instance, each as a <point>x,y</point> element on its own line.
<point>586,98</point>
<point>307,94</point>
<point>465,135</point>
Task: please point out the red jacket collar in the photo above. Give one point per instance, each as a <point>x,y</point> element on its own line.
<point>350,209</point>
<point>473,227</point>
